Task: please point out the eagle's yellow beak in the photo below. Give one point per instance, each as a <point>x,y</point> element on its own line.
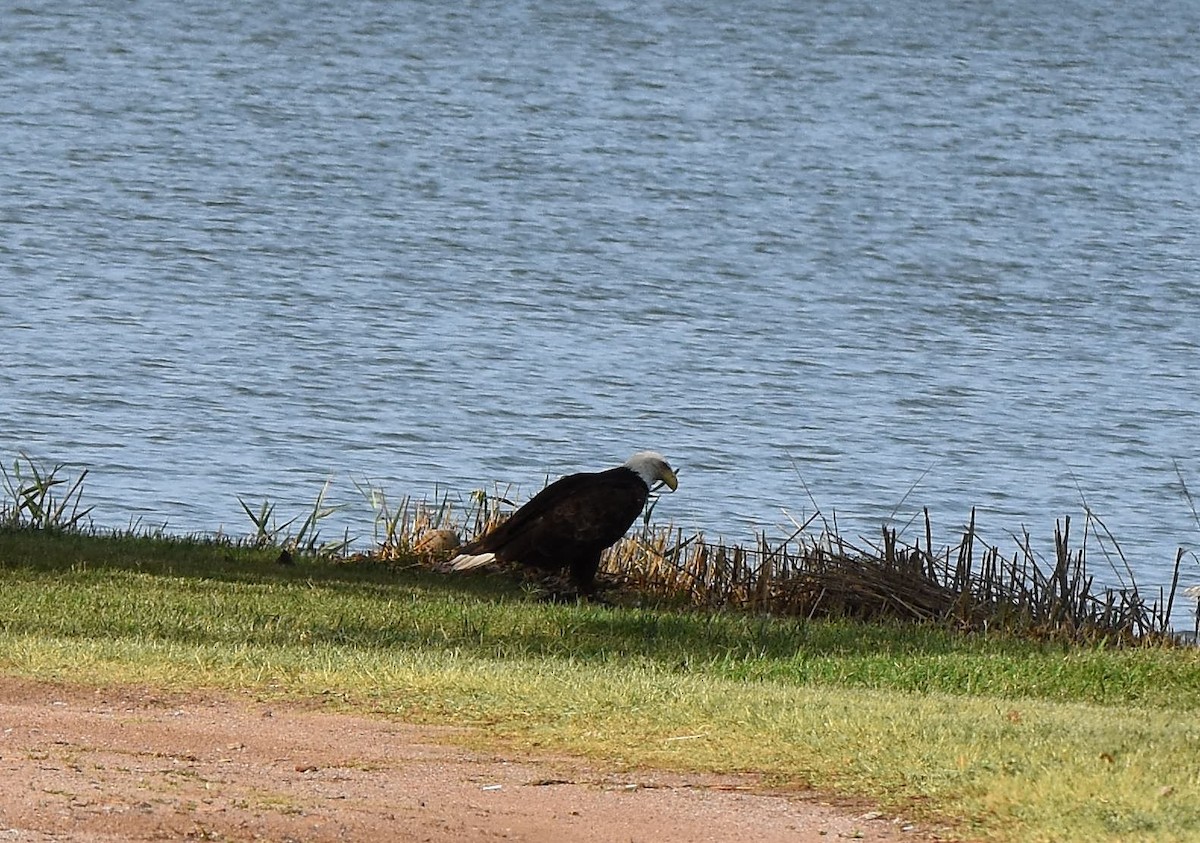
<point>668,477</point>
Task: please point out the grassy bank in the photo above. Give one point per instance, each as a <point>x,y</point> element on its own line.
<point>1011,739</point>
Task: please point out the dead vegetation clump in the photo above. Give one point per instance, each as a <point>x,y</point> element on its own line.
<point>970,586</point>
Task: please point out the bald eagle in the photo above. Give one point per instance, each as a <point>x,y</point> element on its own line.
<point>572,521</point>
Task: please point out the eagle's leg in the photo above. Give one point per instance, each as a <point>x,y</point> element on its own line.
<point>583,574</point>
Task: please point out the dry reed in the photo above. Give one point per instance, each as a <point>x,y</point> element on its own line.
<point>971,586</point>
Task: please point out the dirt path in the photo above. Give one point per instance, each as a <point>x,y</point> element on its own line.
<point>108,765</point>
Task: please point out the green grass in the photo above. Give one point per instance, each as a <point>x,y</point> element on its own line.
<point>1010,739</point>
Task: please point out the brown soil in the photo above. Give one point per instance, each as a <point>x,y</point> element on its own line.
<point>106,765</point>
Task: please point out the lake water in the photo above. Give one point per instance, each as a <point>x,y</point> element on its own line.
<point>876,256</point>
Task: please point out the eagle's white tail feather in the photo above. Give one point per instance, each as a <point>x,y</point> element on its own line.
<point>465,562</point>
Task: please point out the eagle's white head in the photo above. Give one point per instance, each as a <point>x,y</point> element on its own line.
<point>652,467</point>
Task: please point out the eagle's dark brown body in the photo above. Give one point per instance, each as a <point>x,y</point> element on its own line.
<point>570,523</point>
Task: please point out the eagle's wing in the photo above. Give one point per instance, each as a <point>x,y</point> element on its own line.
<point>590,508</point>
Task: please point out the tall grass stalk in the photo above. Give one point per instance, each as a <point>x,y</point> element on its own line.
<point>40,498</point>
<point>304,539</point>
<point>402,530</point>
